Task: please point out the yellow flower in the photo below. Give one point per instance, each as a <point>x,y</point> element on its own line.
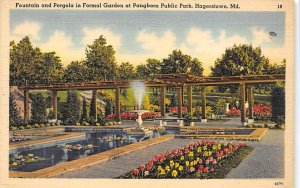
<point>162,172</point>
<point>191,154</point>
<point>174,173</point>
<point>167,168</point>
<point>199,149</point>
<point>171,163</point>
<point>182,158</point>
<point>195,162</point>
<point>159,168</point>
<point>205,153</point>
<point>176,165</point>
<point>180,168</point>
<point>187,163</point>
<point>204,148</point>
<point>209,153</point>
<point>214,147</point>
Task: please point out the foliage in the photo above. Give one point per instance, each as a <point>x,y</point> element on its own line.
<point>197,160</point>
<point>125,71</point>
<point>220,107</point>
<point>187,118</point>
<point>278,104</point>
<point>14,115</point>
<point>100,60</point>
<point>148,71</point>
<point>108,107</point>
<point>177,62</point>
<point>38,109</point>
<point>173,100</point>
<point>71,111</point>
<point>241,60</point>
<point>76,71</point>
<point>84,116</point>
<point>29,65</point>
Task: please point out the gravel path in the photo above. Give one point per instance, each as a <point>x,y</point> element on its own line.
<point>265,161</point>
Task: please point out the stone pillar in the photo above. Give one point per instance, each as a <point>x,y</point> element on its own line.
<point>189,100</point>
<point>242,103</point>
<point>54,104</point>
<point>179,98</point>
<point>250,101</point>
<point>94,101</point>
<point>203,102</point>
<point>162,101</point>
<point>26,105</point>
<point>117,109</point>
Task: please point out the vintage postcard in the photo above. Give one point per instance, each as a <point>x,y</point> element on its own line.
<point>147,93</point>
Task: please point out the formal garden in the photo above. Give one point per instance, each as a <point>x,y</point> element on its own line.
<point>61,119</point>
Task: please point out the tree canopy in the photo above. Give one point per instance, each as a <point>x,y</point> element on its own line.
<point>177,62</point>
<point>100,60</point>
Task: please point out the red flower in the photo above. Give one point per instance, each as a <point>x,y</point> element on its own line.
<point>135,171</point>
<point>148,167</point>
<point>142,167</point>
<point>205,169</point>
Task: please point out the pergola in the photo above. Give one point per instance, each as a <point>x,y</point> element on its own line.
<point>164,80</point>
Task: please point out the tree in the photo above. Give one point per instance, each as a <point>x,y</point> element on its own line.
<point>141,71</point>
<point>100,60</point>
<point>49,69</point>
<point>220,108</point>
<point>71,111</point>
<point>22,61</point>
<point>84,110</point>
<point>173,101</point>
<point>14,115</point>
<point>153,68</point>
<point>177,63</point>
<point>76,71</point>
<point>126,71</point>
<point>240,60</point>
<point>38,109</point>
<point>278,103</point>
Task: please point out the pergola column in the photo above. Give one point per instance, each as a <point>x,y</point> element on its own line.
<point>117,109</point>
<point>189,100</point>
<point>94,103</point>
<point>250,101</point>
<point>179,97</point>
<point>26,105</point>
<point>242,102</point>
<point>162,101</point>
<point>203,104</point>
<point>54,104</point>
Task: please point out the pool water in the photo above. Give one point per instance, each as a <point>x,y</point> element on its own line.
<point>56,154</point>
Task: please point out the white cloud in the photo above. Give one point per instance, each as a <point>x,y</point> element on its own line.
<point>63,46</point>
<point>31,29</point>
<point>155,44</point>
<point>90,34</point>
<point>259,36</point>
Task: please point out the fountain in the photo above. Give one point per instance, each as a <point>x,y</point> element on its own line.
<point>139,94</point>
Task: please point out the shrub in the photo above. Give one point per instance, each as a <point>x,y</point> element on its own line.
<point>22,127</point>
<point>77,124</point>
<point>42,125</point>
<point>36,125</point>
<point>98,124</point>
<point>13,128</point>
<point>48,125</point>
<point>28,126</point>
<point>52,124</point>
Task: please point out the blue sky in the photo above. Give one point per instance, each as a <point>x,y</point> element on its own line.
<point>138,35</point>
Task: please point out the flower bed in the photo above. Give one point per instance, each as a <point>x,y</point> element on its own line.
<point>197,160</point>
<point>133,116</point>
<point>18,139</point>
